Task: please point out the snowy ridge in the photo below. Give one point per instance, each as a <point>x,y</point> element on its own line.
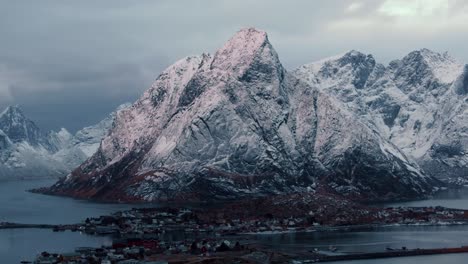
<point>445,68</point>
<point>238,124</point>
<point>28,153</point>
<point>89,138</point>
<point>418,103</point>
<point>238,53</point>
<point>17,127</point>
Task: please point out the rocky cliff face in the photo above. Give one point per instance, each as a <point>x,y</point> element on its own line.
<point>18,128</point>
<point>26,152</point>
<point>418,103</point>
<point>238,124</point>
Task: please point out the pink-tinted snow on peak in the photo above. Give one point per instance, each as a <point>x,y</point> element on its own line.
<point>240,50</point>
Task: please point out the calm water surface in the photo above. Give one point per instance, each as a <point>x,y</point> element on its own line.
<point>371,240</point>
<point>17,205</point>
<point>450,198</point>
<point>378,239</point>
<point>439,259</point>
<point>24,244</point>
<point>20,206</point>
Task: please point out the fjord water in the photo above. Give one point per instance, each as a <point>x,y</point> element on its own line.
<point>25,244</point>
<point>452,198</point>
<point>18,205</point>
<point>436,259</point>
<point>376,240</point>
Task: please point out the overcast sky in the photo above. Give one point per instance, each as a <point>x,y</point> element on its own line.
<point>70,63</point>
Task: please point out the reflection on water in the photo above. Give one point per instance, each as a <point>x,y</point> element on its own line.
<point>376,240</point>
<point>371,240</point>
<point>24,244</point>
<point>453,198</point>
<point>18,205</point>
<point>436,259</point>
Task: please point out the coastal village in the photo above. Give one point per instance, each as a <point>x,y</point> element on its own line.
<point>223,234</point>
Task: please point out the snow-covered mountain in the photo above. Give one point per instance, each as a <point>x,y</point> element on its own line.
<point>419,103</point>
<point>26,152</point>
<point>89,138</point>
<point>238,124</point>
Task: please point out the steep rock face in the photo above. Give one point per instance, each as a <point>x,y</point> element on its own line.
<point>17,127</point>
<point>89,138</point>
<point>26,152</point>
<point>418,103</point>
<point>5,141</point>
<point>448,155</point>
<point>238,124</point>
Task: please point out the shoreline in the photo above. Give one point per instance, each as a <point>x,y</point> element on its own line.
<point>394,254</point>
<point>144,229</point>
<point>353,228</point>
<point>75,227</point>
<point>8,225</point>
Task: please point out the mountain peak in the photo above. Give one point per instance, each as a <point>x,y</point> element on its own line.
<point>240,50</point>
<point>17,126</point>
<point>354,53</point>
<point>425,51</point>
<point>342,58</point>
<point>248,36</point>
<point>352,67</point>
<point>443,66</point>
<point>429,55</point>
<point>12,110</point>
<point>356,58</point>
<point>13,114</point>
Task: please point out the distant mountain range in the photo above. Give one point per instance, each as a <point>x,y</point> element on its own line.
<point>26,152</point>
<point>418,103</point>
<point>238,124</point>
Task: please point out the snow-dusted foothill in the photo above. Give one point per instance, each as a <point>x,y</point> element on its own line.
<point>238,124</point>
<point>28,153</point>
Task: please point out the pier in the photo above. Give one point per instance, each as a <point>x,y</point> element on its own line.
<point>6,225</point>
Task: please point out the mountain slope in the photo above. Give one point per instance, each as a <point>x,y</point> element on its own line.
<point>419,103</point>
<point>89,138</point>
<point>17,127</point>
<point>238,124</point>
<point>26,152</point>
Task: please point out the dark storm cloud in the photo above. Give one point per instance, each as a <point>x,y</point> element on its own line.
<point>69,63</point>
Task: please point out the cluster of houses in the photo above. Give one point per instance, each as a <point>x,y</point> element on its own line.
<point>95,255</point>
<point>437,215</point>
<point>165,223</point>
<point>143,251</point>
<point>151,222</point>
<point>151,235</point>
<point>146,222</point>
